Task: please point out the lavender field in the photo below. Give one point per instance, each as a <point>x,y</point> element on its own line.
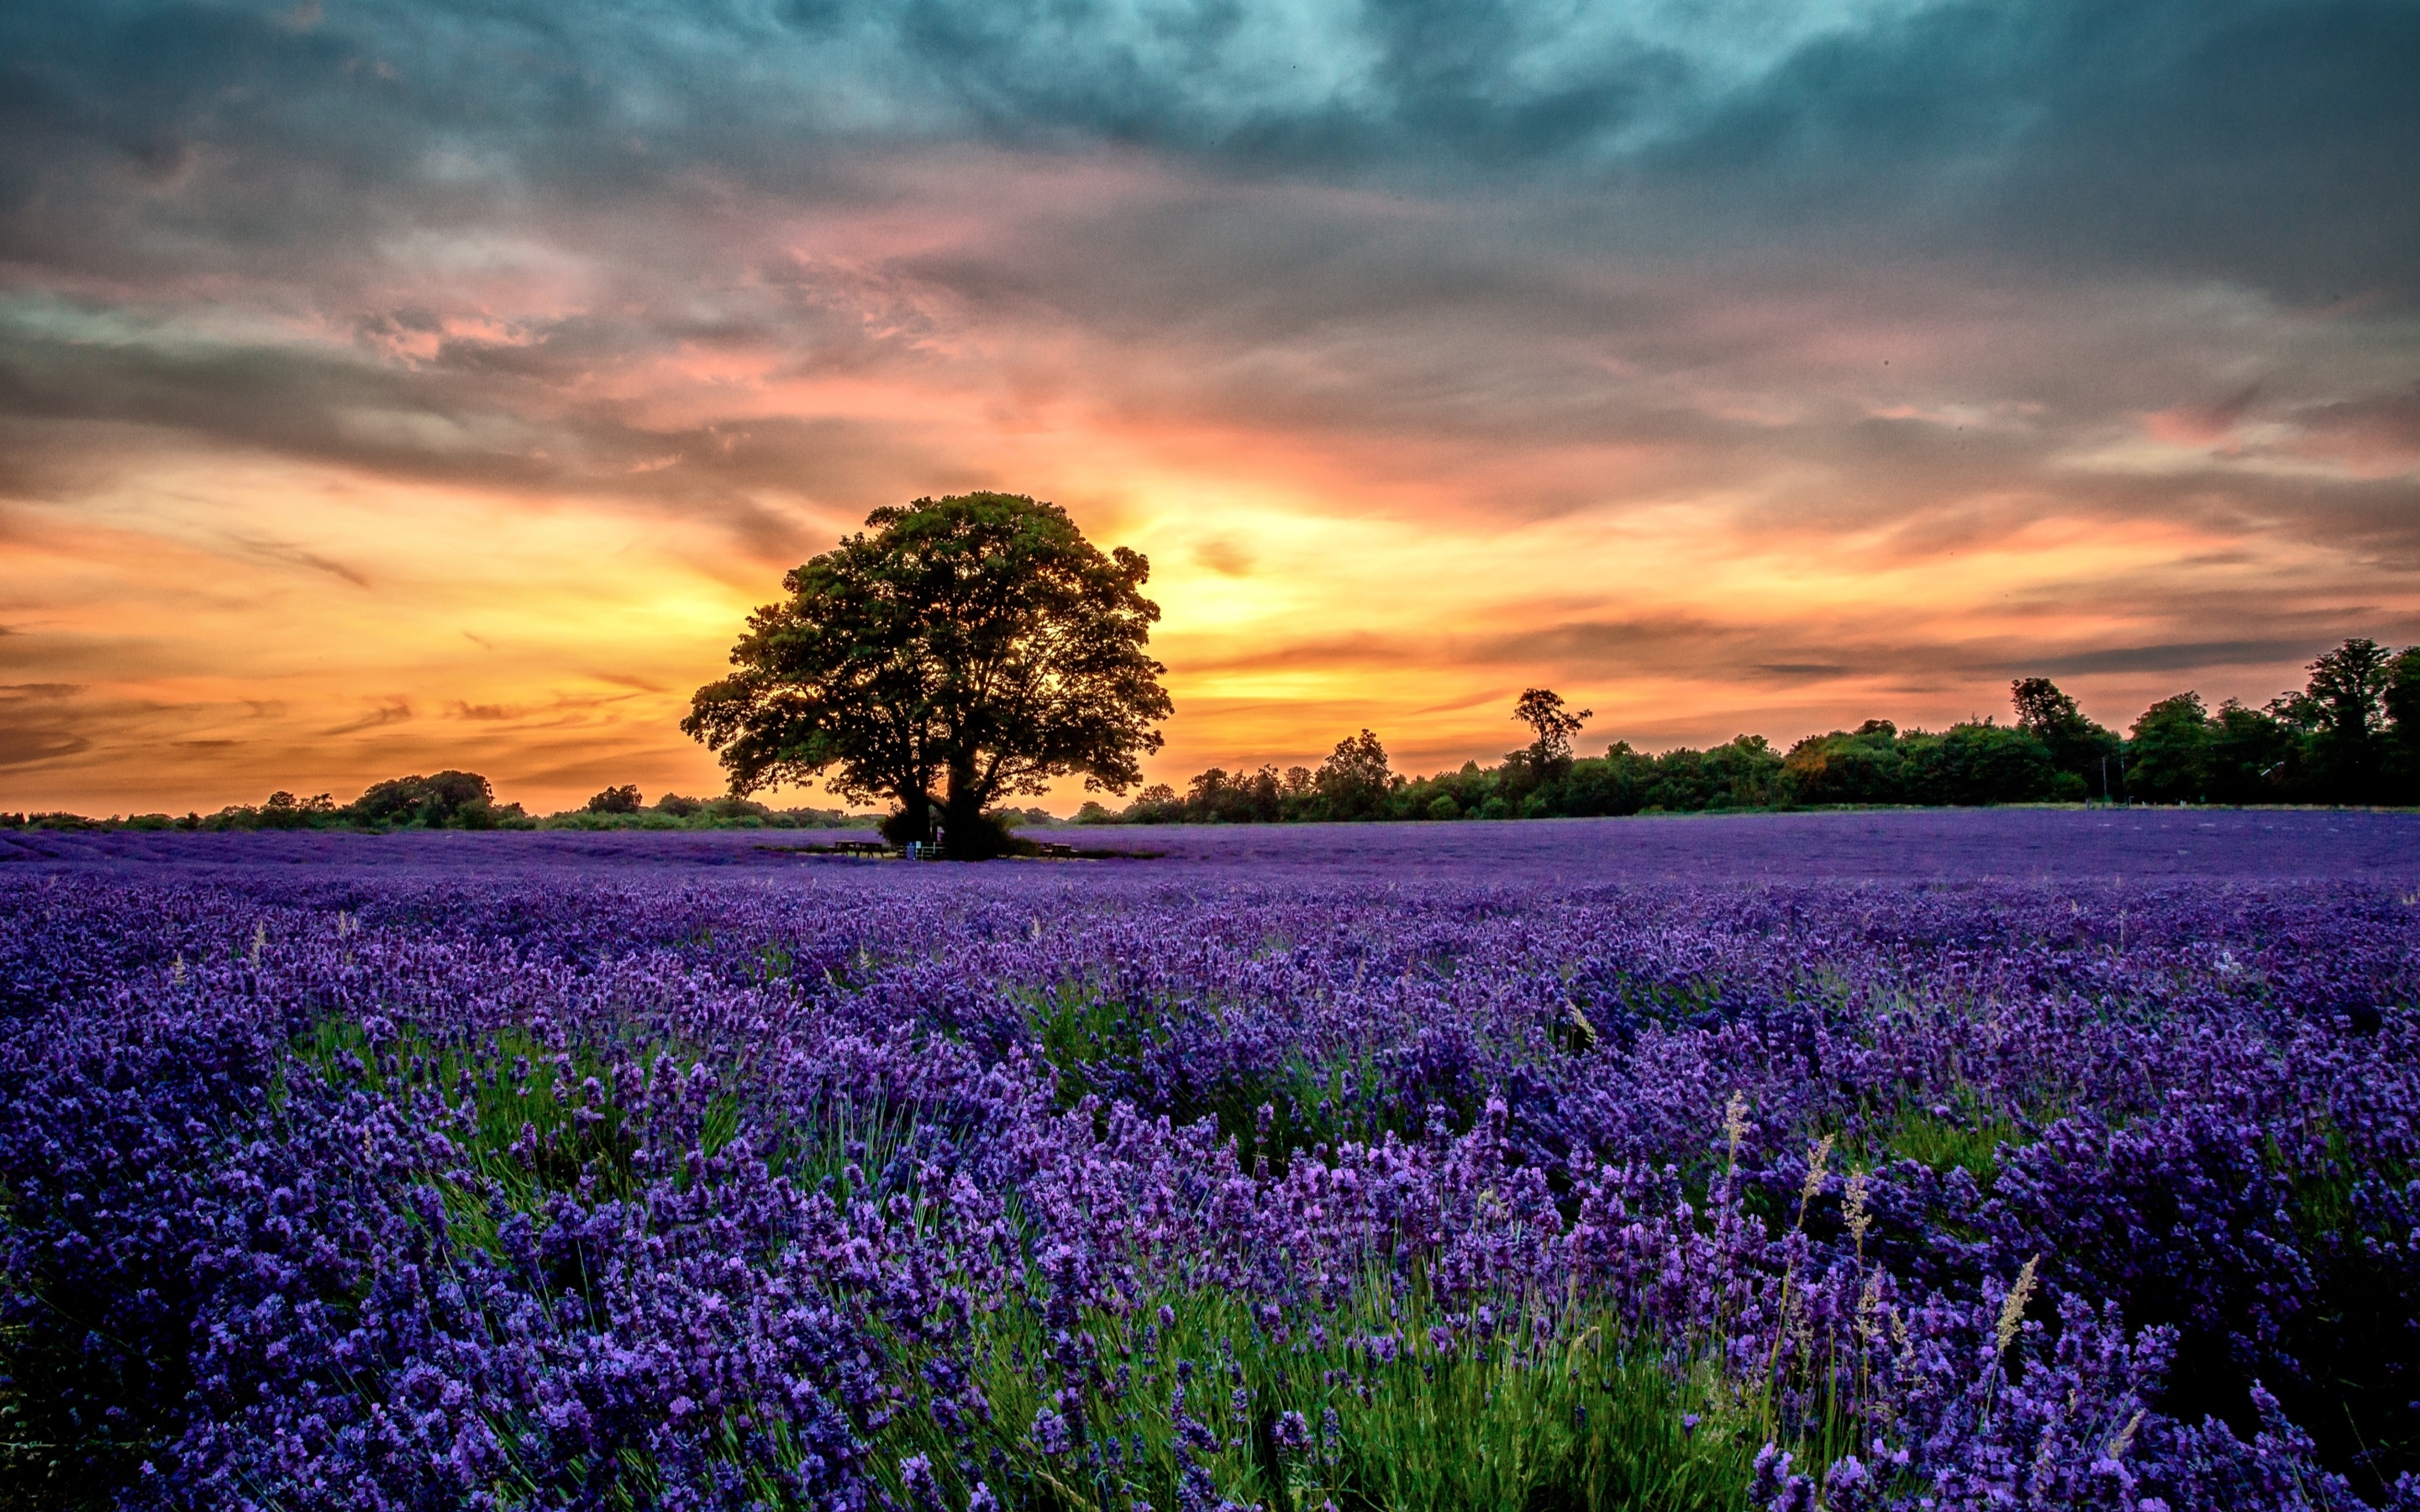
<point>1937,1159</point>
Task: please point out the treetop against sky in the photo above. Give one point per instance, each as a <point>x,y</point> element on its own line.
<point>386,388</point>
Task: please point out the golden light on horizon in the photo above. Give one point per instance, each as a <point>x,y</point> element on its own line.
<point>488,473</point>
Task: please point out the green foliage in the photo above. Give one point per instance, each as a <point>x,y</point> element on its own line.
<point>2348,689</point>
<point>674,811</point>
<point>1966,764</point>
<point>1946,1138</point>
<point>2352,736</point>
<point>60,820</point>
<point>2168,755</point>
<point>532,1118</point>
<point>1097,1043</point>
<point>58,1450</point>
<point>1978,764</point>
<point>449,801</point>
<point>976,644</point>
<point>1548,1408</point>
<point>1859,765</point>
<point>1744,772</point>
<point>2254,757</point>
<point>2400,759</point>
<point>2077,746</point>
<point>1376,1395</point>
<point>33,1472</point>
<point>1088,1036</point>
<point>1354,781</point>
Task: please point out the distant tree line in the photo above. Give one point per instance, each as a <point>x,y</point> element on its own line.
<point>622,807</point>
<point>460,800</point>
<point>2351,735</point>
<point>448,800</point>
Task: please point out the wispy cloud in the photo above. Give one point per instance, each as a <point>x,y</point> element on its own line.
<point>385,714</point>
<point>1725,365</point>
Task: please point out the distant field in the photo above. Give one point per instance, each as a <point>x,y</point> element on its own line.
<point>1946,843</point>
<point>2041,1158</point>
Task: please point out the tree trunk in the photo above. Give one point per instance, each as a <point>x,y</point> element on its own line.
<point>968,835</point>
<point>914,820</point>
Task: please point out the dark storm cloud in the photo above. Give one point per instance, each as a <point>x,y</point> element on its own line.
<point>473,415</point>
<point>2274,143</point>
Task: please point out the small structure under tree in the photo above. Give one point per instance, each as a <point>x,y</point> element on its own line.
<point>969,649</point>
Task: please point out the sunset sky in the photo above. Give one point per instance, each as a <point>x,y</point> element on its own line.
<point>392,386</point>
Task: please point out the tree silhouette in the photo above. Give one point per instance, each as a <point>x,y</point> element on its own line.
<point>1542,709</point>
<point>2075,743</point>
<point>1353,782</point>
<point>977,645</point>
<point>2348,693</point>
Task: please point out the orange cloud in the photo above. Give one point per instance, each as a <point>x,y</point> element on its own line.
<point>507,494</point>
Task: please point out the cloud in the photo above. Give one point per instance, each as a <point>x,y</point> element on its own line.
<point>39,724</point>
<point>2251,139</point>
<point>2187,656</point>
<point>20,745</point>
<point>1760,360</point>
<point>1224,556</point>
<point>392,712</point>
<point>286,551</point>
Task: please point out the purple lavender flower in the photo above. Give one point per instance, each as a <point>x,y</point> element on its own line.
<point>540,1167</point>
<point>1050,1433</point>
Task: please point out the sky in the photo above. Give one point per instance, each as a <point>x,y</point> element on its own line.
<point>393,386</point>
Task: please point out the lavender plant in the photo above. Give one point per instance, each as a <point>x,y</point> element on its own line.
<point>506,1171</point>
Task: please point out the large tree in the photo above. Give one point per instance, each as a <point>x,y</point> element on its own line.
<point>1542,709</point>
<point>1353,782</point>
<point>2401,702</point>
<point>968,649</point>
<point>2076,744</point>
<point>2167,758</point>
<point>2348,693</point>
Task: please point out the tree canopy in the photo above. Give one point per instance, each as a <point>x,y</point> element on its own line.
<point>1542,709</point>
<point>449,801</point>
<point>970,648</point>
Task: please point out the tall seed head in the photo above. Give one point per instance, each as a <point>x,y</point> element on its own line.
<point>1814,1182</point>
<point>2012,1311</point>
<point>2125,1439</point>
